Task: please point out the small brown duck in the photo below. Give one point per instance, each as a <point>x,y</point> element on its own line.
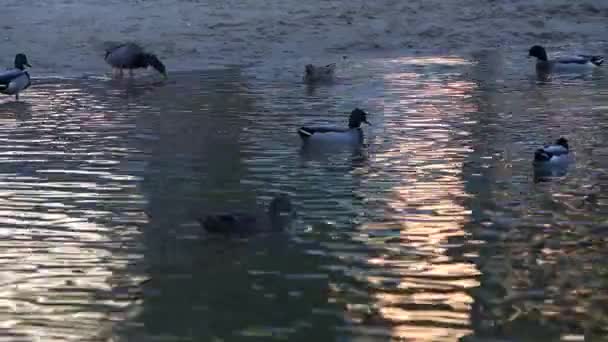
<point>314,74</point>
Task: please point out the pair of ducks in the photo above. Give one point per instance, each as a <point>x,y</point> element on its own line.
<point>280,212</point>
<point>128,56</point>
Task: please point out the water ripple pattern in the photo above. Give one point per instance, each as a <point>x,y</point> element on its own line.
<point>438,229</point>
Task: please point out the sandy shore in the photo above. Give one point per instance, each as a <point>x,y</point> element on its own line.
<point>66,37</point>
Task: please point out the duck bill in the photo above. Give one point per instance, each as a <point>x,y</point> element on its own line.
<point>27,65</point>
<point>367,122</point>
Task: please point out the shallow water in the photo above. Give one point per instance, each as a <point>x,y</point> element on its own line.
<point>437,230</point>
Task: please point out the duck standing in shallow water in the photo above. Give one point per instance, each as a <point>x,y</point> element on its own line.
<point>575,63</point>
<point>315,74</point>
<point>132,56</point>
<point>352,135</point>
<point>278,218</point>
<point>13,81</point>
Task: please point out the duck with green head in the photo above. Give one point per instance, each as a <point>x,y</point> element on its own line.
<point>14,81</point>
<point>563,64</point>
<point>351,135</point>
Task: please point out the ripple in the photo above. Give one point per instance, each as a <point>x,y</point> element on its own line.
<point>435,231</point>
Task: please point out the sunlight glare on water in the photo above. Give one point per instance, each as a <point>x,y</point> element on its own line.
<point>437,230</point>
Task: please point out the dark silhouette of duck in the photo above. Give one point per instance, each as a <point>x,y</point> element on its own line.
<point>132,56</point>
<point>14,81</point>
<point>277,218</point>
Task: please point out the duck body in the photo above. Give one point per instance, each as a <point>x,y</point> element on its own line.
<point>331,135</point>
<point>131,56</point>
<point>564,64</point>
<point>317,74</point>
<point>553,155</point>
<point>14,81</point>
<point>352,135</point>
<point>278,218</point>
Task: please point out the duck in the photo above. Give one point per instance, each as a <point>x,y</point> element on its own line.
<point>277,218</point>
<point>315,74</point>
<point>555,154</point>
<point>13,81</point>
<point>578,62</point>
<point>132,56</point>
<point>351,135</point>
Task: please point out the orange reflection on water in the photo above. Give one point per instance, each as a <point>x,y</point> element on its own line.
<point>426,299</point>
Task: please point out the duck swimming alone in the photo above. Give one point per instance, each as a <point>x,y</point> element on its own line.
<point>14,81</point>
<point>132,56</point>
<point>579,62</point>
<point>557,153</point>
<point>314,74</point>
<point>278,218</point>
<point>352,135</point>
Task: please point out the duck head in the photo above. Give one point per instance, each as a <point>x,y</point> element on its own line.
<point>562,142</point>
<point>154,62</point>
<point>357,116</point>
<point>280,212</point>
<point>21,61</point>
<point>538,52</point>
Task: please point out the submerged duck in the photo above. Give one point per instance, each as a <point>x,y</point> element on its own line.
<point>353,134</point>
<point>13,81</point>
<point>313,74</point>
<point>278,218</point>
<point>132,56</point>
<point>579,62</point>
<point>558,153</point>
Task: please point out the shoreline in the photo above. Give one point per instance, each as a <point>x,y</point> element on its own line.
<point>68,37</point>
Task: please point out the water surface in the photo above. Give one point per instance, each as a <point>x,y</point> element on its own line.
<point>437,230</point>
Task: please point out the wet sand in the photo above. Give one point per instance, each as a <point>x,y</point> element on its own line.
<point>66,37</point>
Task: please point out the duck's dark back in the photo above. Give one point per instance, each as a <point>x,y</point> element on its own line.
<point>232,224</point>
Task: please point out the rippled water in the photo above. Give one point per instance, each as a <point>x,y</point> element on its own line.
<point>438,230</point>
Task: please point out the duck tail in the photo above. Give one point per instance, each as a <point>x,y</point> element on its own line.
<point>541,155</point>
<point>597,60</point>
<point>305,132</point>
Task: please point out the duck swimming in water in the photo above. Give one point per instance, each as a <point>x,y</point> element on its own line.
<point>552,161</point>
<point>574,63</point>
<point>558,153</point>
<point>278,218</point>
<point>349,135</point>
<point>132,56</point>
<point>315,74</point>
<point>14,81</point>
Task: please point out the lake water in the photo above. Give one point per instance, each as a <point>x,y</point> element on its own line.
<point>439,230</point>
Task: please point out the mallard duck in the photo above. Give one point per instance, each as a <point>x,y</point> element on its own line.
<point>14,81</point>
<point>132,56</point>
<point>278,217</point>
<point>579,62</point>
<point>558,153</point>
<point>314,74</point>
<point>351,135</point>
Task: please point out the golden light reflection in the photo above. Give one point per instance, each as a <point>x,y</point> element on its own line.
<point>426,299</point>
<point>60,258</point>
